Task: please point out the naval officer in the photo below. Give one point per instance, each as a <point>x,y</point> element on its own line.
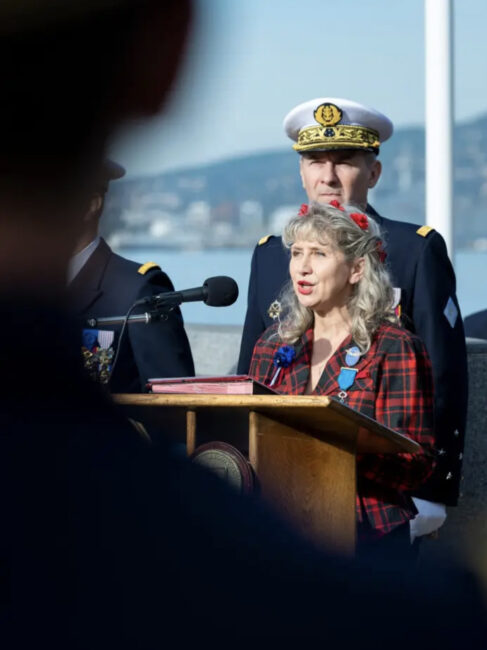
<point>338,141</point>
<point>102,283</point>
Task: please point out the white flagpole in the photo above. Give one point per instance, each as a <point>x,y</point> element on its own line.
<point>439,117</point>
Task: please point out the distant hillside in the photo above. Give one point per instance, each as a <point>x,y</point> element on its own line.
<point>235,201</point>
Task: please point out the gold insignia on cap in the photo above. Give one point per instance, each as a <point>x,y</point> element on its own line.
<point>328,114</point>
<point>332,135</point>
<point>263,240</point>
<point>341,136</point>
<point>148,266</point>
<point>424,231</point>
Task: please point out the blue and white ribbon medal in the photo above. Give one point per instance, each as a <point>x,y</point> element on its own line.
<point>352,357</point>
<point>347,374</point>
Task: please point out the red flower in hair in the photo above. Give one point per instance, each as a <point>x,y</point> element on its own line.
<point>360,219</point>
<point>337,204</point>
<point>380,251</point>
<point>303,210</point>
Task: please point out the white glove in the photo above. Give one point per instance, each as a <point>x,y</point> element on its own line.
<point>430,517</point>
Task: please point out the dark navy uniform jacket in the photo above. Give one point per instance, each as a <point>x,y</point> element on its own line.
<point>108,285</point>
<point>420,267</point>
<point>476,325</point>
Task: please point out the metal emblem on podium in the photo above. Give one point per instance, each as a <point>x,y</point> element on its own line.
<point>228,463</point>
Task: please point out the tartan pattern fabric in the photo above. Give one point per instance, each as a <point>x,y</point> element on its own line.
<point>394,386</point>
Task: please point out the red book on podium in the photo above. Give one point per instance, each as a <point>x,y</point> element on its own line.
<point>225,385</point>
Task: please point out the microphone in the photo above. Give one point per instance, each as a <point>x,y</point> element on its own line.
<point>220,291</point>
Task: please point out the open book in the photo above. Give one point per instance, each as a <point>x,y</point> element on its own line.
<point>228,384</point>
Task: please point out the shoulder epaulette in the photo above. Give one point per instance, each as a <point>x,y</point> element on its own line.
<point>263,240</point>
<point>148,266</point>
<point>424,231</point>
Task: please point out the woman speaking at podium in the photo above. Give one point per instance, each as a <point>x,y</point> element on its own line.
<point>338,334</point>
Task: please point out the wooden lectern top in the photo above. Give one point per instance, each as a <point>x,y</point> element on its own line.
<point>319,416</point>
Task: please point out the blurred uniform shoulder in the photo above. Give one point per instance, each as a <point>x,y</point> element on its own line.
<point>264,240</point>
<point>135,274</point>
<point>148,266</point>
<point>424,231</point>
<point>414,232</point>
<point>269,242</point>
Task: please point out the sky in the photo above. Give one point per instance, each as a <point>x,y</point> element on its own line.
<point>250,61</point>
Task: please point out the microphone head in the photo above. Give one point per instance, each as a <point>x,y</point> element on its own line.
<point>221,291</point>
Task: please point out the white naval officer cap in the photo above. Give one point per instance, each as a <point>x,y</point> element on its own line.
<point>328,123</point>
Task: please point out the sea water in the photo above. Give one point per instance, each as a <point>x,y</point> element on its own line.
<point>190,268</point>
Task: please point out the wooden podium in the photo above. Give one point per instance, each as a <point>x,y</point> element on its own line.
<point>302,449</point>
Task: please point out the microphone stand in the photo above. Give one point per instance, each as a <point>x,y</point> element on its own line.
<point>161,305</point>
<point>148,317</point>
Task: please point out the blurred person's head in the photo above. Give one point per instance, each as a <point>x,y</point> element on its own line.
<point>72,71</point>
<point>108,171</point>
<point>337,263</point>
<point>339,141</point>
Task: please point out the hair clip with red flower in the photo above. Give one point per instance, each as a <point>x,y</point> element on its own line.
<point>360,219</point>
<point>303,210</point>
<point>337,204</point>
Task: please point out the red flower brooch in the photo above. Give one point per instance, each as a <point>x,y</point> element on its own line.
<point>304,209</point>
<point>337,204</point>
<point>360,219</point>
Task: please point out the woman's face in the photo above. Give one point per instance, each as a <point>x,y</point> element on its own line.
<point>321,277</point>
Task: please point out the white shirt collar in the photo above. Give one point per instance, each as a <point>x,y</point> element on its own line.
<point>78,260</point>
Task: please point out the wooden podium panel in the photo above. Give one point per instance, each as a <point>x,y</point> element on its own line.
<point>310,482</point>
<point>302,448</point>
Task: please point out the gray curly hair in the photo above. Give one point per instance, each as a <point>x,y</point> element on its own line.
<point>371,301</point>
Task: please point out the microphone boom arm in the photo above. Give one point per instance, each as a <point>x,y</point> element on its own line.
<point>146,318</point>
<point>219,291</point>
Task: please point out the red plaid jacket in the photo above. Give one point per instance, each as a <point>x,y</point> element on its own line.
<point>394,386</point>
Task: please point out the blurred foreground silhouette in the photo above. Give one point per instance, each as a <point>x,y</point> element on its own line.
<point>106,542</point>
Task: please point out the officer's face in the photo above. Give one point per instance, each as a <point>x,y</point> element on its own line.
<point>344,176</point>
